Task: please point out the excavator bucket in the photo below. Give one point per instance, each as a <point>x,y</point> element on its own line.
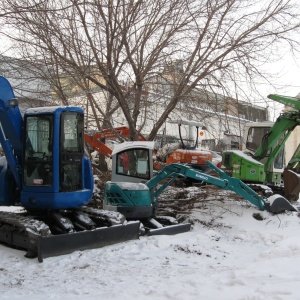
<point>291,184</point>
<point>55,245</point>
<point>278,204</point>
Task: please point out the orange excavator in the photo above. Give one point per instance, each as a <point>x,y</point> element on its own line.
<point>95,143</point>
<point>180,153</point>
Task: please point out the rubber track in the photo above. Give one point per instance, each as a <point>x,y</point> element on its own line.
<point>22,231</point>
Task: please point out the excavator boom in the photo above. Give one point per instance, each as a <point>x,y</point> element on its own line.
<point>97,145</point>
<point>224,182</point>
<point>291,174</point>
<point>288,101</point>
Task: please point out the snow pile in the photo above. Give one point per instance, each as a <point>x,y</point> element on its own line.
<point>229,254</point>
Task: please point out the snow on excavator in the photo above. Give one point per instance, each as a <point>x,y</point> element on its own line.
<point>45,171</point>
<point>261,163</point>
<point>134,190</point>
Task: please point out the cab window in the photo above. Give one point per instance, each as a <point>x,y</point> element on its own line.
<point>134,162</point>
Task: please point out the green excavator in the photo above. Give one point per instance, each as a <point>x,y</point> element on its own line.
<point>262,162</point>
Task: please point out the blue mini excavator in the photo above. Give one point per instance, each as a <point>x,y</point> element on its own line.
<point>44,170</point>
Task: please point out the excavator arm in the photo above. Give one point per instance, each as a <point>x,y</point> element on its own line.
<point>293,102</point>
<point>281,130</point>
<point>224,181</point>
<point>11,123</point>
<point>94,140</point>
<point>121,132</point>
<point>294,162</point>
<point>97,145</point>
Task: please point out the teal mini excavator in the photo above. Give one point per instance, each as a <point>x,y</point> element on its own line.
<point>134,189</point>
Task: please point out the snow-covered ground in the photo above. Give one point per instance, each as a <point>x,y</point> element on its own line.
<point>228,254</point>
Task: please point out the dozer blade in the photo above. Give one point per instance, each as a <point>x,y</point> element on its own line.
<point>67,243</point>
<point>291,184</point>
<point>170,230</point>
<point>278,204</point>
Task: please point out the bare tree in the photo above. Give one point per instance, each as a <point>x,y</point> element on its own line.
<point>133,41</point>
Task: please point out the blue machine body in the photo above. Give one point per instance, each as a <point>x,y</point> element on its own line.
<point>44,166</point>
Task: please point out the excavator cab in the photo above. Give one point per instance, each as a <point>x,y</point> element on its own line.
<point>255,135</point>
<point>132,162</point>
<point>186,151</point>
<point>54,145</point>
<point>128,193</point>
